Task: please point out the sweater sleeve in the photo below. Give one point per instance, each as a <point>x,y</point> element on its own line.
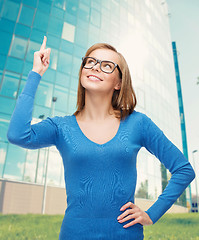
<point>20,131</point>
<point>173,159</point>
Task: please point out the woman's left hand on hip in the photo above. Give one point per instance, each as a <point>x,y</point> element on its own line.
<point>134,213</point>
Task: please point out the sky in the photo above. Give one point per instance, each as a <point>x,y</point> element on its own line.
<point>184,25</point>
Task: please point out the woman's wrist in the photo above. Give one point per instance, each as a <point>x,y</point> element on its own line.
<point>37,71</point>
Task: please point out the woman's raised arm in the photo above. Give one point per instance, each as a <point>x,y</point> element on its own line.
<point>20,131</point>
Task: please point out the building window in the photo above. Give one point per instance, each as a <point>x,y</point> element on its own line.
<point>10,10</point>
<point>18,48</point>
<point>68,32</point>
<point>14,169</point>
<point>3,150</point>
<point>26,16</point>
<point>41,25</point>
<point>10,84</point>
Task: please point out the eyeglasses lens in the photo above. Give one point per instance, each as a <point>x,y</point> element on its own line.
<point>106,66</point>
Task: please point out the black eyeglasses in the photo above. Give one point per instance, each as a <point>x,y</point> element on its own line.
<point>105,66</point>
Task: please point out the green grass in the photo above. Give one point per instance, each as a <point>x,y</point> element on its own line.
<point>30,227</point>
<point>35,227</point>
<point>174,227</point>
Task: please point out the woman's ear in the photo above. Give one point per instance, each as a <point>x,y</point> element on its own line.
<point>118,86</point>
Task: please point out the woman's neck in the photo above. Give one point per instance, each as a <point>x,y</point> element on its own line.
<point>97,108</point>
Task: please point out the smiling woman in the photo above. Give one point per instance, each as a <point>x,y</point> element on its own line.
<point>99,144</point>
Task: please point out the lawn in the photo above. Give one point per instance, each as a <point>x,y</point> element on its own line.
<point>33,227</point>
<point>174,227</point>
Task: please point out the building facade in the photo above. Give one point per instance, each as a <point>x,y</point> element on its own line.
<point>138,29</point>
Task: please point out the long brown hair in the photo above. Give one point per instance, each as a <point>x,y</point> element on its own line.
<point>124,99</point>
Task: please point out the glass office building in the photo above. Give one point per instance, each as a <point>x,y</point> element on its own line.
<point>138,29</point>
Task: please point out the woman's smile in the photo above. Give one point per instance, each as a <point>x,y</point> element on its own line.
<point>94,78</point>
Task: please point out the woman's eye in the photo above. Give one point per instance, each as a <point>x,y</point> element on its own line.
<point>108,66</point>
<point>90,62</point>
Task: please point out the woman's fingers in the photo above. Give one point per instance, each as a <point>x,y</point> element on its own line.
<point>127,217</point>
<point>133,209</point>
<point>46,56</point>
<point>134,213</point>
<point>45,53</point>
<point>43,46</point>
<point>42,58</point>
<point>129,204</point>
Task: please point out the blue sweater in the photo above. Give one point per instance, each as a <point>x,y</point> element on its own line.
<point>100,178</point>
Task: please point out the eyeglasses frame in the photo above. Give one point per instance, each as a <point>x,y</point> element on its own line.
<point>100,61</point>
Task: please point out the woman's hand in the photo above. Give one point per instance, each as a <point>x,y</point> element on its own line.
<point>41,58</point>
<point>134,213</point>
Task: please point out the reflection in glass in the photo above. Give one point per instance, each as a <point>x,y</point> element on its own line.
<point>53,58</point>
<point>10,84</point>
<point>40,110</point>
<point>33,47</point>
<point>63,79</point>
<point>55,27</point>
<point>64,63</point>
<point>57,12</point>
<point>53,41</point>
<point>68,32</point>
<point>54,168</point>
<point>37,35</point>
<point>26,15</point>
<point>72,102</point>
<point>44,94</point>
<point>27,68</point>
<point>41,160</point>
<point>94,31</point>
<point>81,37</point>
<point>7,105</point>
<point>79,51</point>
<point>3,150</point>
<point>5,42</point>
<point>60,4</point>
<point>14,169</point>
<point>84,12</point>
<point>32,3</point>
<point>6,25</point>
<point>21,87</point>
<point>10,10</point>
<point>30,166</point>
<point>41,25</point>
<point>44,6</point>
<point>76,67</point>
<point>70,19</point>
<point>95,17</point>
<point>72,7</point>
<point>2,64</point>
<point>4,122</point>
<point>18,48</point>
<point>49,75</point>
<point>22,30</point>
<point>62,98</point>
<point>66,46</point>
<point>14,64</point>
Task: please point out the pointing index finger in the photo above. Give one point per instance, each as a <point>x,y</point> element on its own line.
<point>43,46</point>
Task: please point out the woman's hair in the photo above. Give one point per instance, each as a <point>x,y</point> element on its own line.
<point>124,99</point>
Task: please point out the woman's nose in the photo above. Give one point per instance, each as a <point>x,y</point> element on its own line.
<point>96,67</point>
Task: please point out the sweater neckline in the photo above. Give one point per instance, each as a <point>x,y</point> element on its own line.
<point>97,144</point>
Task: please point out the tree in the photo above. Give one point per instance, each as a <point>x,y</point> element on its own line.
<point>143,191</point>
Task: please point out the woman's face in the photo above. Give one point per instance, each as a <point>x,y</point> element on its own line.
<point>94,79</point>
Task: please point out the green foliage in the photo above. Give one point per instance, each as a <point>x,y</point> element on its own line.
<point>164,176</point>
<point>36,227</point>
<point>143,191</point>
